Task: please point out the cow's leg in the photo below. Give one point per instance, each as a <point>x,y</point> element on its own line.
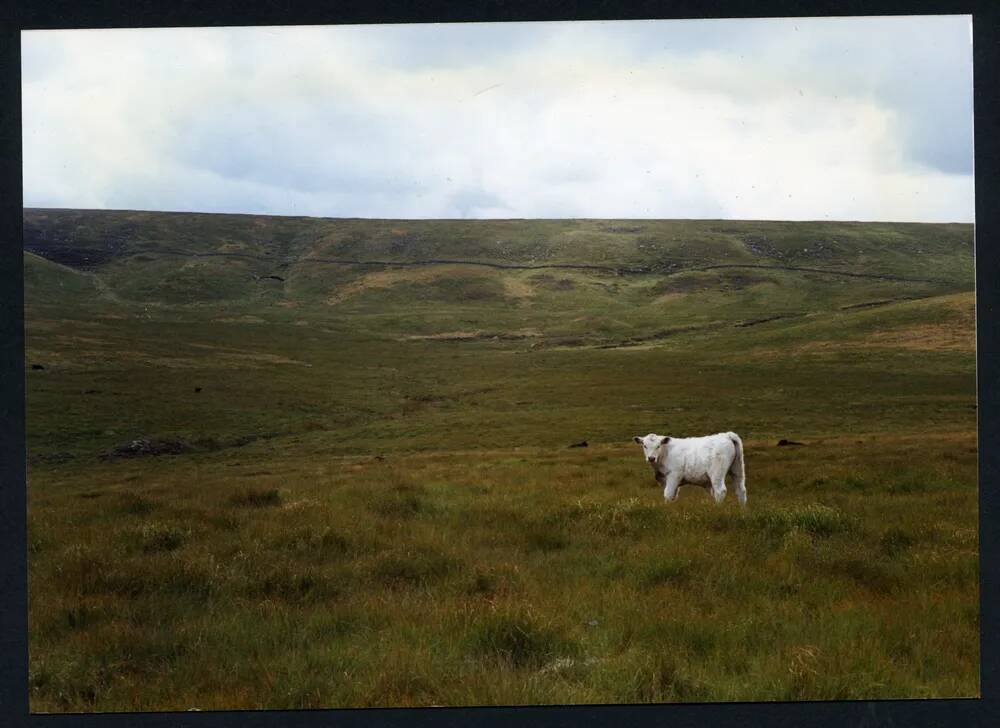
<point>660,478</point>
<point>673,482</point>
<point>719,486</point>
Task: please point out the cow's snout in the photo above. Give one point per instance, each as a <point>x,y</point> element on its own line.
<point>651,459</point>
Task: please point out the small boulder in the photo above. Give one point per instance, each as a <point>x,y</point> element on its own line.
<point>141,447</point>
<point>786,443</point>
<point>582,443</point>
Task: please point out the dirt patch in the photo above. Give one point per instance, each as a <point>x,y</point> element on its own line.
<point>517,287</point>
<point>387,278</point>
<point>670,297</point>
<point>924,338</point>
<point>244,355</point>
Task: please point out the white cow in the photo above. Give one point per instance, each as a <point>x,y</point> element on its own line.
<point>703,461</point>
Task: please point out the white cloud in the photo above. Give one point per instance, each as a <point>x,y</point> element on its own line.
<point>753,119</point>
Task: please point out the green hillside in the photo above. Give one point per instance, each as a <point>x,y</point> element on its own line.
<point>110,240</point>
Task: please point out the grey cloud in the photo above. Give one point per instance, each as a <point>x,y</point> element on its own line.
<point>920,68</point>
<point>452,45</point>
<point>467,201</point>
<point>324,149</point>
<point>341,125</point>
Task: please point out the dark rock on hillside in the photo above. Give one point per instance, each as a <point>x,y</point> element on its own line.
<point>37,367</point>
<point>579,444</point>
<point>786,443</point>
<point>760,246</point>
<point>141,447</point>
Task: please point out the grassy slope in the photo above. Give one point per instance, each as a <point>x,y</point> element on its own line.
<point>482,562</point>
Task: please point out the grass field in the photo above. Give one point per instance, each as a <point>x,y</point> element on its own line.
<point>369,498</point>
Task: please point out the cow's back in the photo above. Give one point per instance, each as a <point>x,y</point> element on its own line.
<point>697,455</point>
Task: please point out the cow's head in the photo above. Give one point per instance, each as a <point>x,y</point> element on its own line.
<point>652,446</point>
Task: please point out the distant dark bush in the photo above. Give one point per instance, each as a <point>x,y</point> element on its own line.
<point>256,497</point>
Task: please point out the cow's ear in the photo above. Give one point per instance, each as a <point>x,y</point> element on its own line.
<point>637,440</point>
<point>665,440</point>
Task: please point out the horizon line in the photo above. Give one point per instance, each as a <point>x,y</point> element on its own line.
<point>502,219</point>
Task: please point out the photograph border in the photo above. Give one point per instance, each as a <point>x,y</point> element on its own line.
<point>147,13</point>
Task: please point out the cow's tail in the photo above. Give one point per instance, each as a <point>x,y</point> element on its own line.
<point>738,470</point>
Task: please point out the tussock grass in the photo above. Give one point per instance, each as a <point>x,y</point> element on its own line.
<point>135,505</point>
<point>815,519</point>
<point>255,497</point>
<point>157,537</point>
<point>516,640</point>
<point>414,568</point>
<point>560,583</point>
<point>668,571</point>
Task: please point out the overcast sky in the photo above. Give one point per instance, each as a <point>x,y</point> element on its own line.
<point>849,119</point>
